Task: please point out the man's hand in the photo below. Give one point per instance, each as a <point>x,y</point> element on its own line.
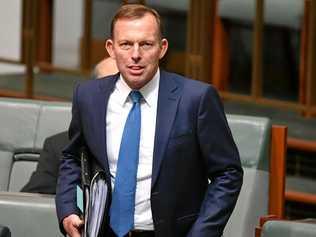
<point>72,225</point>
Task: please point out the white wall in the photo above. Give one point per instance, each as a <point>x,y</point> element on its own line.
<point>10,36</point>
<point>68,27</point>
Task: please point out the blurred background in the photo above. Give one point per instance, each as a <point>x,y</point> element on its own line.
<point>259,54</point>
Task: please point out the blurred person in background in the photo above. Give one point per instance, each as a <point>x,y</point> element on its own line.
<point>44,178</point>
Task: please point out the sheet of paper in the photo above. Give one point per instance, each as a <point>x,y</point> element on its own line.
<point>98,198</point>
<point>79,198</point>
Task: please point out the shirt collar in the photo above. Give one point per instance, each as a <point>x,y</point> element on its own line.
<point>149,91</point>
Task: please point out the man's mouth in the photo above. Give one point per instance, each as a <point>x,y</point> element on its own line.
<point>136,69</point>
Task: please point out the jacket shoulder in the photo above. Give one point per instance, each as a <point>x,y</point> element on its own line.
<point>190,85</point>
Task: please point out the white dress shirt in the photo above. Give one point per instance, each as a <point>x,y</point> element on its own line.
<point>119,105</point>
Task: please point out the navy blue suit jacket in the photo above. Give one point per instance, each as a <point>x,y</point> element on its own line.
<point>193,145</point>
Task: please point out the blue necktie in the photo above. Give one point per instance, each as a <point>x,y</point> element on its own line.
<point>123,198</point>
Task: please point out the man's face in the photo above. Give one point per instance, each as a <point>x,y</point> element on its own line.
<point>137,48</point>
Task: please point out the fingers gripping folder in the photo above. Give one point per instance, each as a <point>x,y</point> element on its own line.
<point>95,195</point>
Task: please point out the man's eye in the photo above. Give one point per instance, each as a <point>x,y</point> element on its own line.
<point>146,45</point>
<point>125,45</point>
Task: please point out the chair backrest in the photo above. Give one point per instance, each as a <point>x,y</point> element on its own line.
<point>252,136</point>
<point>24,126</point>
<point>277,228</point>
<point>29,214</point>
<point>28,123</point>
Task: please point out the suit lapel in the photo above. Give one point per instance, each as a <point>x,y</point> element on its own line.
<point>101,99</point>
<point>168,99</point>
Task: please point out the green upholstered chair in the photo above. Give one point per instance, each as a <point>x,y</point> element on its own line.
<point>24,126</point>
<point>282,228</point>
<point>26,123</point>
<point>253,139</point>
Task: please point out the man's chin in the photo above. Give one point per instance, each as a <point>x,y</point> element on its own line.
<point>136,82</point>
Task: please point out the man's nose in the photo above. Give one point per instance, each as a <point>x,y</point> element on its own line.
<point>136,53</point>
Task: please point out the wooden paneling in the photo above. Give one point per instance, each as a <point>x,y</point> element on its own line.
<point>305,146</point>
<point>85,63</point>
<point>201,17</point>
<point>23,24</point>
<point>311,67</point>
<point>202,61</point>
<point>173,61</point>
<point>256,80</point>
<point>273,103</point>
<point>304,53</point>
<point>29,33</point>
<point>98,51</point>
<point>301,145</point>
<point>10,61</point>
<point>307,198</point>
<point>221,55</point>
<point>50,67</point>
<point>277,177</point>
<point>277,171</point>
<point>21,95</point>
<point>45,31</point>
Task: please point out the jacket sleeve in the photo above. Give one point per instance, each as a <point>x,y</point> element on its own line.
<point>221,158</point>
<point>70,170</point>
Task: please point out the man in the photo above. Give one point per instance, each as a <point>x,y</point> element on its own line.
<point>176,129</point>
<point>105,67</point>
<point>44,178</point>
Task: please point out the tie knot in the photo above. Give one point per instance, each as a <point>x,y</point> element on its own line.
<point>135,96</point>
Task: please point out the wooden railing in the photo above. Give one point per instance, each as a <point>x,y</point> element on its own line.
<point>201,60</point>
<point>36,45</point>
<point>277,170</point>
<point>305,146</point>
<point>307,79</point>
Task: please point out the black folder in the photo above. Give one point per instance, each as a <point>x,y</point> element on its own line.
<point>96,195</point>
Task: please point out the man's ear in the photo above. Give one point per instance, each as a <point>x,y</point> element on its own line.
<point>109,44</point>
<point>164,47</point>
